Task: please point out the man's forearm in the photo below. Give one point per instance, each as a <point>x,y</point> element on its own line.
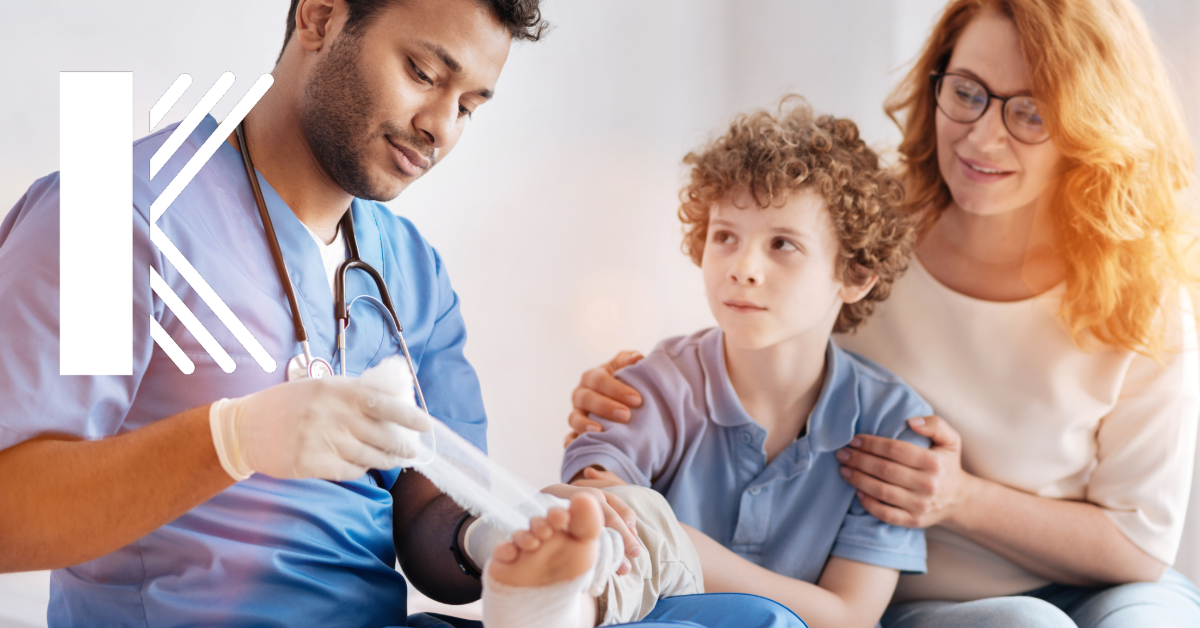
<point>70,501</point>
<point>423,532</point>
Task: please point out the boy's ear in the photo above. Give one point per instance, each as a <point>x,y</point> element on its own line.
<point>855,293</point>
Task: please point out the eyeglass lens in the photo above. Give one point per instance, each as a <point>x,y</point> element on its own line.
<point>964,100</point>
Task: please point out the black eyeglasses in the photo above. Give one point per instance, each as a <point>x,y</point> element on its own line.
<point>964,99</point>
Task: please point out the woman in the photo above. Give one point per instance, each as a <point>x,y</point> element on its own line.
<point>1046,318</point>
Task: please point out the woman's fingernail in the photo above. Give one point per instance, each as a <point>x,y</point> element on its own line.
<point>632,400</point>
<point>856,442</point>
<point>621,414</point>
<point>592,427</point>
<point>842,455</point>
<point>917,421</point>
<point>845,472</point>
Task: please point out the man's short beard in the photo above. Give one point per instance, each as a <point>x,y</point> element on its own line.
<point>336,119</point>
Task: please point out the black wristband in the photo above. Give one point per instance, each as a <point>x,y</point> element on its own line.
<point>464,563</point>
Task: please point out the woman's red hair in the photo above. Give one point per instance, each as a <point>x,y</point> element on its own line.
<point>1113,115</point>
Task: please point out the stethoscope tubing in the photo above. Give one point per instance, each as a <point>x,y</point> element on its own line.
<point>341,309</point>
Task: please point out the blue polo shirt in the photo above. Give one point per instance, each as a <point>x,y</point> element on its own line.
<point>264,552</point>
<point>693,442</point>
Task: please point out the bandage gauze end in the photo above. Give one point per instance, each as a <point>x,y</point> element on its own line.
<point>332,428</point>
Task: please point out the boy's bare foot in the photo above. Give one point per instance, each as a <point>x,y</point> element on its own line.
<point>558,548</point>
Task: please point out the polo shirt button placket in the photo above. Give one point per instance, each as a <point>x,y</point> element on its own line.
<point>756,490</point>
<point>747,438</point>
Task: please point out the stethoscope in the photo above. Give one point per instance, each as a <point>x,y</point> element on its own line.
<point>304,364</point>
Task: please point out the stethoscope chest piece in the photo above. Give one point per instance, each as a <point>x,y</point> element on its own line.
<point>300,367</point>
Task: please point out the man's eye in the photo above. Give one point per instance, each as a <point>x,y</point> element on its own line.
<point>421,76</point>
<point>463,111</point>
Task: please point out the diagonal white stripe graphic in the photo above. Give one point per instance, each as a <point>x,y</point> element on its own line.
<point>239,111</point>
<point>168,100</point>
<point>172,350</point>
<point>209,296</point>
<point>190,321</point>
<point>189,123</point>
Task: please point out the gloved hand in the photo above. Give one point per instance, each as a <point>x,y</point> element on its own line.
<point>332,428</point>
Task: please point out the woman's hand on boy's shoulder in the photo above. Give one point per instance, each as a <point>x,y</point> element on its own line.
<point>903,484</point>
<point>599,392</point>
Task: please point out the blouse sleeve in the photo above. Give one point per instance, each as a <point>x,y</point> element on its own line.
<point>1146,445</point>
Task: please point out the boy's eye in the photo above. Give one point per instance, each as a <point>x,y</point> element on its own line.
<point>722,237</point>
<point>780,244</point>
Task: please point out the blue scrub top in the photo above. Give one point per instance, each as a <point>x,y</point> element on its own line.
<point>264,552</point>
<point>692,441</point>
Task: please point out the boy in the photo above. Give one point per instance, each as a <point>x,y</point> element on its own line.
<point>794,225</point>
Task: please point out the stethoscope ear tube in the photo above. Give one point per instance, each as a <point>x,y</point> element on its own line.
<point>273,242</point>
<point>310,366</point>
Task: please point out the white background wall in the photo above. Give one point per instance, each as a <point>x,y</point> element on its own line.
<point>556,213</point>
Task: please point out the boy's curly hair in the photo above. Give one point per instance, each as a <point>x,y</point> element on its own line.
<point>773,155</point>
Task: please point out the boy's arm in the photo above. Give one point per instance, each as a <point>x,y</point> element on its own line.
<point>849,594</point>
<point>646,448</point>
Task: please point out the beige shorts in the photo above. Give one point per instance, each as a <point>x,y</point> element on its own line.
<point>667,566</point>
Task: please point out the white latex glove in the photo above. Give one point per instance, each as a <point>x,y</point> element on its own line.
<point>332,428</point>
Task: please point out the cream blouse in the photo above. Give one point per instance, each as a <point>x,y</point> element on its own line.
<point>1038,414</point>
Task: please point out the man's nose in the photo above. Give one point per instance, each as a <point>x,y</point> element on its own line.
<point>437,121</point>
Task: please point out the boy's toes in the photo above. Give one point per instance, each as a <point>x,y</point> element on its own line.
<point>505,553</point>
<point>526,541</point>
<point>541,528</point>
<point>558,518</point>
<point>587,520</point>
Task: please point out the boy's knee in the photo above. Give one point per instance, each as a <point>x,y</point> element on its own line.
<point>640,498</point>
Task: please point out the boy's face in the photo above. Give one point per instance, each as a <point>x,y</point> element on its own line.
<point>769,273</point>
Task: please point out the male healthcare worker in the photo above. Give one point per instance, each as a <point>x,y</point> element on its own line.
<point>116,482</point>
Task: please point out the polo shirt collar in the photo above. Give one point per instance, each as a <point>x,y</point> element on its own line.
<point>834,418</point>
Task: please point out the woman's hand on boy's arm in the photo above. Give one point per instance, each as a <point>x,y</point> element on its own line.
<point>906,485</point>
<point>599,392</point>
<point>849,594</point>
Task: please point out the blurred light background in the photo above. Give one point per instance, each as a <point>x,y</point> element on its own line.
<point>555,215</point>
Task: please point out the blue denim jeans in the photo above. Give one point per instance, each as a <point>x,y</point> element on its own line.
<point>1172,602</point>
<point>706,610</point>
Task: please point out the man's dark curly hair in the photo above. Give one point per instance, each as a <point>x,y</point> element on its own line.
<point>522,18</point>
<point>771,156</point>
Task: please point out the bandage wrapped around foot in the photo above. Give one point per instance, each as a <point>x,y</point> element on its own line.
<point>551,606</point>
<point>332,428</point>
<point>481,538</point>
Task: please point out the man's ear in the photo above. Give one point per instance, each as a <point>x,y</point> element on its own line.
<point>854,294</point>
<point>313,19</point>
